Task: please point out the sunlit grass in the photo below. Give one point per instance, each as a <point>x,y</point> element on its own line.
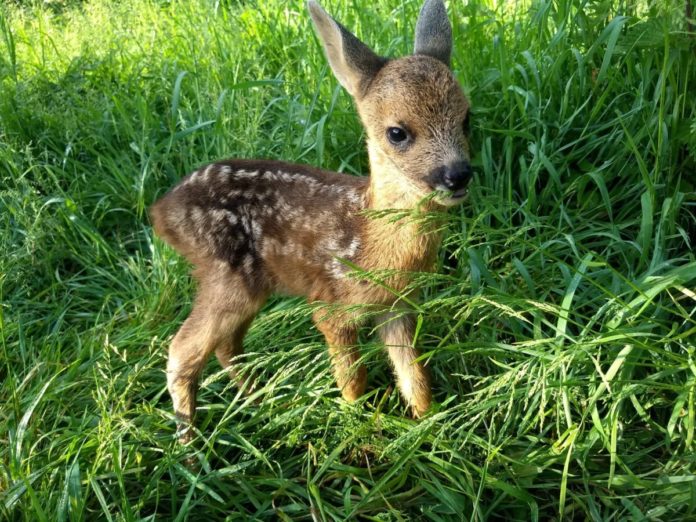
<point>561,327</point>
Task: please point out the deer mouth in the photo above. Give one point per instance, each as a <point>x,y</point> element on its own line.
<point>450,198</point>
<point>460,193</point>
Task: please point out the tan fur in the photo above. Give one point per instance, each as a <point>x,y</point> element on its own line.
<point>414,382</point>
<point>254,227</point>
<point>396,180</point>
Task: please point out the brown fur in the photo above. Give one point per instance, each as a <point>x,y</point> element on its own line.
<point>254,227</point>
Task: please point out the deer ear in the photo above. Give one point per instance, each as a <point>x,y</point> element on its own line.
<point>434,32</point>
<point>353,63</point>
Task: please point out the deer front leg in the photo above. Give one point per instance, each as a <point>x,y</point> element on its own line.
<point>342,339</point>
<point>412,376</point>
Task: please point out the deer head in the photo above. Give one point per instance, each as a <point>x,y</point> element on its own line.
<point>413,109</point>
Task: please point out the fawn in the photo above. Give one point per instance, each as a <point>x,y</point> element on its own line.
<point>253,227</point>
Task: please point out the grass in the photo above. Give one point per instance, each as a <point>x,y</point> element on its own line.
<point>561,327</point>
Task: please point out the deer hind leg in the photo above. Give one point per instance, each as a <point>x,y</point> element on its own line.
<point>342,339</point>
<point>229,348</point>
<point>222,311</point>
<point>412,376</point>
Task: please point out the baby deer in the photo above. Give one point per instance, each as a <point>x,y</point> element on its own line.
<point>253,227</point>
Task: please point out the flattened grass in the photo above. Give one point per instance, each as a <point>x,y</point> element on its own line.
<point>560,329</point>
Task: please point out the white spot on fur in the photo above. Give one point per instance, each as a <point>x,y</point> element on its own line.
<point>248,263</point>
<point>198,220</point>
<point>353,196</point>
<point>313,185</point>
<point>245,224</point>
<point>331,244</point>
<point>353,247</point>
<point>337,268</point>
<point>206,173</point>
<point>197,214</point>
<point>246,173</point>
<point>256,229</point>
<point>191,179</point>
<point>218,216</point>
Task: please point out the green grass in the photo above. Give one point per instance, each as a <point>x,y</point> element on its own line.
<point>561,328</point>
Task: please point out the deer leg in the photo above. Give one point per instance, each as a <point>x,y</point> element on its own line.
<point>412,376</point>
<point>342,339</point>
<point>222,311</point>
<point>230,348</point>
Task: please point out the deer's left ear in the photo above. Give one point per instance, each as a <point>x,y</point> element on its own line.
<point>434,32</point>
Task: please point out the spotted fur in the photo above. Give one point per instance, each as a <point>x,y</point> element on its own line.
<point>255,227</point>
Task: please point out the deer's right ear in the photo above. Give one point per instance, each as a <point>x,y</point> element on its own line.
<point>434,32</point>
<point>353,62</point>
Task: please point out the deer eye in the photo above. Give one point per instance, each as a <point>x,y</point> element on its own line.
<point>396,135</point>
<point>465,124</point>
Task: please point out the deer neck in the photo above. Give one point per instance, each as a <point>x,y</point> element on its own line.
<point>389,189</point>
<point>403,232</point>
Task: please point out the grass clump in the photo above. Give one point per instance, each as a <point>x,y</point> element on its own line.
<point>561,327</point>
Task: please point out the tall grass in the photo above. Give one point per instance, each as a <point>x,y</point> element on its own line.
<point>561,327</point>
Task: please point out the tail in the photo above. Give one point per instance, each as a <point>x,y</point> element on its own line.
<point>168,217</point>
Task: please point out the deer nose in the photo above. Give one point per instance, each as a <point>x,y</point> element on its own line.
<point>456,176</point>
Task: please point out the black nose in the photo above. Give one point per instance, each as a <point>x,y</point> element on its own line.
<point>456,176</point>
